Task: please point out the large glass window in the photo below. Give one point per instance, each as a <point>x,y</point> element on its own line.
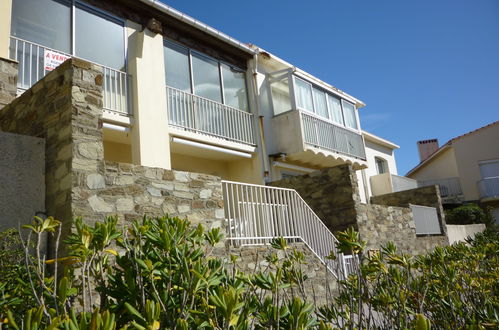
<point>234,88</point>
<point>324,104</point>
<point>320,103</point>
<point>177,67</point>
<point>335,109</point>
<point>206,78</point>
<point>45,22</point>
<point>350,116</point>
<point>304,95</point>
<point>99,39</point>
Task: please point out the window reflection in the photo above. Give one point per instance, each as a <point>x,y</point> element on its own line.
<point>234,88</point>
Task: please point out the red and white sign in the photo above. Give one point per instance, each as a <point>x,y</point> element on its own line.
<point>53,59</point>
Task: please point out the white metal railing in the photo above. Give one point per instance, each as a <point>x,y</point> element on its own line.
<point>35,62</point>
<point>201,115</point>
<point>489,187</point>
<point>448,187</point>
<point>258,214</point>
<point>426,220</point>
<point>349,264</point>
<point>323,134</point>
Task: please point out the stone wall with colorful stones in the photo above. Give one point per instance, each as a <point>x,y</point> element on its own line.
<point>8,81</point>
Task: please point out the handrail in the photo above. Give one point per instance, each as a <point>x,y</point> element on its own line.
<point>489,187</point>
<point>256,214</point>
<point>30,55</point>
<point>201,115</point>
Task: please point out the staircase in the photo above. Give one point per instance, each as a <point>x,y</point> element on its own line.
<point>257,214</point>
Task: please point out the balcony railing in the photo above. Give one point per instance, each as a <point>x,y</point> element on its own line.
<point>33,66</point>
<point>258,214</point>
<point>325,135</point>
<point>426,220</point>
<point>489,188</point>
<point>204,116</point>
<point>448,187</point>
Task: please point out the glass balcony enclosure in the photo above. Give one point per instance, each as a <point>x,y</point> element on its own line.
<point>46,32</point>
<point>328,121</point>
<point>206,95</point>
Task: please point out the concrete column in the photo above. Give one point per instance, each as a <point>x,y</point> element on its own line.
<point>150,137</point>
<point>5,16</point>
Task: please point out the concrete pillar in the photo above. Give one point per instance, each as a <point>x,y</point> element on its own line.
<point>150,137</point>
<point>5,16</point>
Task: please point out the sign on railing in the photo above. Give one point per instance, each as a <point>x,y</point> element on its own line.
<point>323,134</point>
<point>426,220</point>
<point>258,214</point>
<point>200,115</point>
<point>35,61</point>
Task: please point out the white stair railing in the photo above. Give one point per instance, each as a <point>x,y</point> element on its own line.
<point>258,214</point>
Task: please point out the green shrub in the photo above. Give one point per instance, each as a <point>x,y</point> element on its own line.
<point>467,214</point>
<point>161,274</point>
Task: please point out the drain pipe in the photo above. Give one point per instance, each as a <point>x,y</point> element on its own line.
<point>260,117</point>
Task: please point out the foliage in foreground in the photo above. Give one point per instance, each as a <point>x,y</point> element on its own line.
<point>160,273</point>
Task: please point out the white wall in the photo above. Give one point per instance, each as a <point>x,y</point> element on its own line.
<point>374,150</point>
<point>457,233</point>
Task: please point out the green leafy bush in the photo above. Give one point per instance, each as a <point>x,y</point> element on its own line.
<point>467,214</point>
<point>161,274</point>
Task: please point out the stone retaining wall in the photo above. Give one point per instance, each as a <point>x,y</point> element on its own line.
<point>8,81</point>
<point>330,193</point>
<point>333,194</point>
<point>321,284</point>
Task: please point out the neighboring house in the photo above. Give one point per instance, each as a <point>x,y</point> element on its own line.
<point>466,168</point>
<point>175,97</point>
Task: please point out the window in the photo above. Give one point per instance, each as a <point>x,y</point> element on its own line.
<point>45,22</point>
<point>320,103</point>
<point>279,88</point>
<point>177,67</point>
<point>234,87</point>
<point>304,95</point>
<point>324,104</point>
<point>349,113</point>
<point>489,169</point>
<point>206,78</point>
<point>381,165</point>
<point>98,37</point>
<point>335,109</point>
<point>199,74</point>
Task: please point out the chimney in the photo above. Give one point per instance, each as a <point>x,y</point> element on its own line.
<point>426,148</point>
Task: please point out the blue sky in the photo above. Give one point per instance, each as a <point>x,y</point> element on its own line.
<point>425,68</point>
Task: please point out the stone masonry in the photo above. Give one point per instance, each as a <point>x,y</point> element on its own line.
<point>8,81</point>
<point>330,193</point>
<point>320,285</point>
<point>333,194</point>
<point>65,109</point>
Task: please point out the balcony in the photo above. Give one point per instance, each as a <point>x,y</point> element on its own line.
<point>313,123</point>
<point>450,188</point>
<point>207,118</point>
<point>489,188</point>
<point>35,61</point>
<point>387,183</point>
